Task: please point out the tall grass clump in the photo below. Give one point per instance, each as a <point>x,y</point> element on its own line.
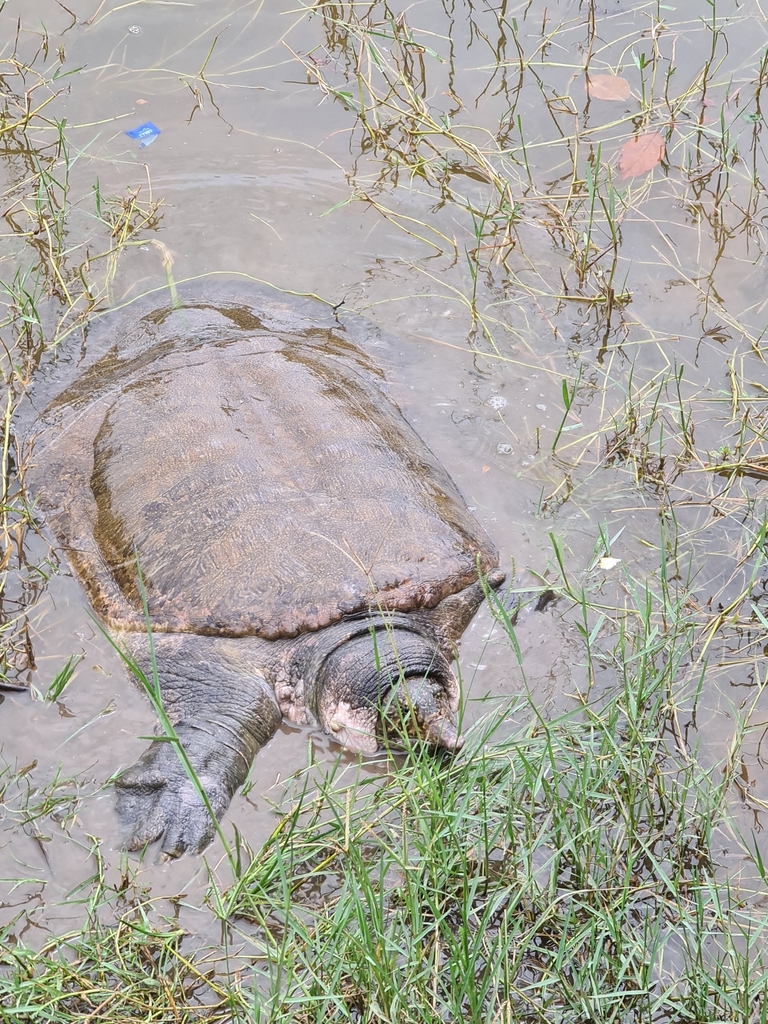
<point>566,873</point>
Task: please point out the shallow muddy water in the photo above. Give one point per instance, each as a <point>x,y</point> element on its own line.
<point>267,174</point>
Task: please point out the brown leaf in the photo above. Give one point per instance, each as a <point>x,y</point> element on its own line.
<point>608,87</point>
<point>141,102</point>
<point>639,155</point>
<point>486,468</point>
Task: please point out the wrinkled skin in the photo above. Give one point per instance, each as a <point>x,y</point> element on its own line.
<point>303,553</point>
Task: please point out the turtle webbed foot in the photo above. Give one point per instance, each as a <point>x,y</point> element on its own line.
<point>158,799</point>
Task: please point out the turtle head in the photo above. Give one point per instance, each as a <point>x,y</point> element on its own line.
<point>384,684</point>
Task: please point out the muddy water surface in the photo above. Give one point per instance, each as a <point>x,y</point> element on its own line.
<point>265,173</point>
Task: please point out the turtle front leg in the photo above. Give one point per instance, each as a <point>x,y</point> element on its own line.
<point>223,710</point>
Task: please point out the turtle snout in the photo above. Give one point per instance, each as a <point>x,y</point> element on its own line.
<point>422,707</point>
<point>442,732</point>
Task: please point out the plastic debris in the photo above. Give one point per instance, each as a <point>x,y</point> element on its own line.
<point>497,401</point>
<point>135,30</point>
<point>146,134</point>
<point>608,562</point>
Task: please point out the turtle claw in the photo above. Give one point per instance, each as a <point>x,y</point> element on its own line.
<point>174,813</point>
<point>178,817</point>
<point>156,799</point>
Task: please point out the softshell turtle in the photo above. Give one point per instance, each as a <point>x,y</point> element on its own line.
<point>303,553</point>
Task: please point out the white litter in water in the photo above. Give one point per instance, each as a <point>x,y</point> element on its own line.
<point>541,408</point>
<point>497,402</point>
<point>608,562</point>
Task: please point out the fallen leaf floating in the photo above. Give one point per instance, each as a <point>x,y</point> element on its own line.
<point>641,154</point>
<point>608,87</point>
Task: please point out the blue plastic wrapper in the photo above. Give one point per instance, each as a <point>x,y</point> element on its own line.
<point>146,134</point>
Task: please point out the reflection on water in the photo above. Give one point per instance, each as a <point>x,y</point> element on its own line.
<point>443,169</point>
